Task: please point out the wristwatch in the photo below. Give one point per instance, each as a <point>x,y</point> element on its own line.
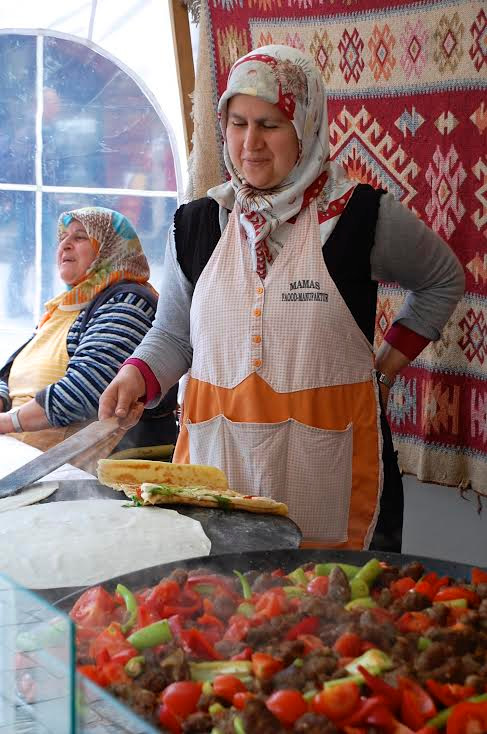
<point>14,415</point>
<point>387,381</point>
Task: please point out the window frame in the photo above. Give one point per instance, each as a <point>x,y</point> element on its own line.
<point>38,187</point>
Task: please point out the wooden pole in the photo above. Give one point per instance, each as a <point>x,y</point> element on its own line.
<point>184,64</point>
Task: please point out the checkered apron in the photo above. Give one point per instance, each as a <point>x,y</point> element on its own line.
<point>263,349</point>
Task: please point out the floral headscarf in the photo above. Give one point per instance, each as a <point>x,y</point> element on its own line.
<point>287,78</point>
<point>119,256</point>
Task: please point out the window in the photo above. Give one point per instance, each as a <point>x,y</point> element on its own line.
<point>75,130</point>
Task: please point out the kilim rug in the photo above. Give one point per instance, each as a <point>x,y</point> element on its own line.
<point>408,113</point>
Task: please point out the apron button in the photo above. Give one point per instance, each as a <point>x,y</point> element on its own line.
<point>257,362</point>
<point>257,312</point>
<point>257,339</point>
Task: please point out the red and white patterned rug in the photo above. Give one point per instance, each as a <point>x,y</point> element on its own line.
<point>408,113</point>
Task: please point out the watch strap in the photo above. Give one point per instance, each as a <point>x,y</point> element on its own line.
<point>387,381</point>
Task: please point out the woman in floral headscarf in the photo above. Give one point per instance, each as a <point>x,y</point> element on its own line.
<point>52,384</point>
<point>271,294</point>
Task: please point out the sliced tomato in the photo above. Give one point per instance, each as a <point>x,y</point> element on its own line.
<point>337,702</point>
<point>112,641</point>
<point>318,586</point>
<point>241,698</point>
<point>93,608</point>
<point>306,626</point>
<point>287,705</point>
<point>209,620</point>
<point>402,586</point>
<point>198,644</point>
<point>414,622</point>
<point>168,720</point>
<point>111,673</point>
<point>91,672</point>
<point>467,718</point>
<point>349,645</point>
<point>450,593</point>
<point>265,666</point>
<point>226,686</point>
<point>271,603</point>
<point>479,576</point>
<point>245,654</point>
<point>237,628</point>
<point>181,698</point>
<point>165,592</point>
<point>145,616</point>
<point>310,642</point>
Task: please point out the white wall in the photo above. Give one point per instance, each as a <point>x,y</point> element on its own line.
<point>439,523</point>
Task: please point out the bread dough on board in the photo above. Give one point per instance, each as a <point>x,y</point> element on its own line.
<point>84,542</point>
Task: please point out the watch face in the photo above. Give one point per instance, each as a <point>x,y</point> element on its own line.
<point>385,380</point>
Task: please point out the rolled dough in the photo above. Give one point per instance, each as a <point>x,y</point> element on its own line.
<point>86,542</point>
<point>14,454</point>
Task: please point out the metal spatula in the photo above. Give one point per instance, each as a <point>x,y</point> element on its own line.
<point>72,447</point>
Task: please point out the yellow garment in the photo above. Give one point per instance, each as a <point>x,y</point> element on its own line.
<point>40,363</point>
<point>43,360</point>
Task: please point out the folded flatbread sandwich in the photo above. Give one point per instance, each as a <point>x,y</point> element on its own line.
<point>164,483</point>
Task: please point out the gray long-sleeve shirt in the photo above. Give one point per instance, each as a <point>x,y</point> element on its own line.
<point>405,251</point>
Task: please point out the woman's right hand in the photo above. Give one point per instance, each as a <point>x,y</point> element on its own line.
<point>122,396</point>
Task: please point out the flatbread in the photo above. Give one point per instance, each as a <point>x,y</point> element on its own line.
<point>14,454</point>
<point>225,499</point>
<point>123,473</point>
<point>29,496</point>
<point>164,483</point>
<point>86,542</point>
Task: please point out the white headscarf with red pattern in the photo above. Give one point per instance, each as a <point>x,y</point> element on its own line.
<point>287,78</point>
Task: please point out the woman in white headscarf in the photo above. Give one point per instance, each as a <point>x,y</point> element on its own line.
<point>270,290</point>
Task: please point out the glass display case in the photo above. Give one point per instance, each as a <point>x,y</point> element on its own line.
<point>40,691</point>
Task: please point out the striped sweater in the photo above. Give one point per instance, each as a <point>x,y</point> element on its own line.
<point>113,332</point>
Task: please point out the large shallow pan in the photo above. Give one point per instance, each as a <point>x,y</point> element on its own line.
<point>267,560</point>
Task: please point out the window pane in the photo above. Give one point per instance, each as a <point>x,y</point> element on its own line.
<point>17,269</point>
<point>99,129</point>
<point>17,108</point>
<point>151,218</point>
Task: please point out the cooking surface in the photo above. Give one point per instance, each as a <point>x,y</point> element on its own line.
<point>266,560</point>
<point>235,531</point>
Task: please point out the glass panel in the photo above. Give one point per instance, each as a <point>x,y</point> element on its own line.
<point>17,269</point>
<point>40,693</point>
<point>100,713</point>
<point>151,217</point>
<point>99,129</point>
<point>17,108</point>
<point>37,656</point>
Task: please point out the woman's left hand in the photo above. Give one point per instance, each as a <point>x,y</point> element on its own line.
<point>384,394</point>
<point>389,361</point>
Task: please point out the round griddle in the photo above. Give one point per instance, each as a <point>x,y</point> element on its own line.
<point>228,530</point>
<point>267,560</point>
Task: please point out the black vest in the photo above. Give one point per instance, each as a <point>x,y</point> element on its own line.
<point>346,252</point>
